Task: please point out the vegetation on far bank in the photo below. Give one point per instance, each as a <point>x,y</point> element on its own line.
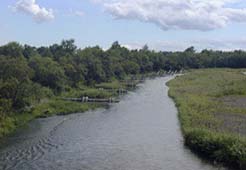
<point>212,112</point>
<point>31,75</point>
<point>56,105</point>
<point>47,108</point>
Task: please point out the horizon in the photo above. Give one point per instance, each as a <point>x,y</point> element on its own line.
<point>124,46</point>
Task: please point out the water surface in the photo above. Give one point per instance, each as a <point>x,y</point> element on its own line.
<point>141,132</point>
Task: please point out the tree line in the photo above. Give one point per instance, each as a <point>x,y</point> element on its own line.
<point>28,74</point>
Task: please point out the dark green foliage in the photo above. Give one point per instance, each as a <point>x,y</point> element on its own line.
<point>44,51</point>
<point>62,66</point>
<point>29,51</point>
<point>15,83</point>
<point>12,49</point>
<point>91,64</point>
<point>48,73</point>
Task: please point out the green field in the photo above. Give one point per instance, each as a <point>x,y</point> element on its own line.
<point>212,112</point>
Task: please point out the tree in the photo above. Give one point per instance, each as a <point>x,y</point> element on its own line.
<point>48,73</point>
<point>68,46</point>
<point>29,51</point>
<point>190,50</point>
<point>12,49</point>
<point>45,52</point>
<point>145,48</point>
<point>131,67</point>
<point>115,45</point>
<point>91,58</point>
<point>75,70</point>
<point>14,67</point>
<point>15,81</point>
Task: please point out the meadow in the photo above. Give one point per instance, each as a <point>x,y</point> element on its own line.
<point>212,112</point>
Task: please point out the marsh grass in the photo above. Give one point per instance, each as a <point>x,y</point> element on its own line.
<point>110,85</point>
<point>206,118</point>
<point>45,109</point>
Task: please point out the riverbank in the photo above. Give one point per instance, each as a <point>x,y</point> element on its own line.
<point>52,107</point>
<point>57,106</point>
<point>212,113</point>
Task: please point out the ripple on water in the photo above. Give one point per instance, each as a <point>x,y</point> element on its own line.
<point>139,133</point>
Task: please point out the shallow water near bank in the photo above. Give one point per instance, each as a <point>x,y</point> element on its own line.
<point>141,132</point>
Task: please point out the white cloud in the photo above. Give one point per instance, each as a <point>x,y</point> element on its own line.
<point>225,45</point>
<point>203,15</point>
<point>30,7</point>
<point>133,46</point>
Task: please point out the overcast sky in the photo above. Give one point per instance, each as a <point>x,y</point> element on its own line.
<point>162,24</point>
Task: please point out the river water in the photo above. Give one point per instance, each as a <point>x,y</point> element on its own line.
<point>141,132</point>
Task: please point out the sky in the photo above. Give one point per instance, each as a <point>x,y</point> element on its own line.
<point>166,25</point>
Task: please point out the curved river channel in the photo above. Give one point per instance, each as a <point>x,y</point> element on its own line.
<point>141,132</point>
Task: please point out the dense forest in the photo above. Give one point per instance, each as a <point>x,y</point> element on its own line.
<point>28,74</point>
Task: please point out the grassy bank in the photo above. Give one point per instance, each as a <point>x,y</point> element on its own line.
<point>48,108</point>
<point>212,112</point>
<point>57,106</point>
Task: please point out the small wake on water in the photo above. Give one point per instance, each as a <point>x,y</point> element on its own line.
<point>140,133</point>
<point>31,148</point>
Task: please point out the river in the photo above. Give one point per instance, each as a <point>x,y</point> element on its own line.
<point>141,132</point>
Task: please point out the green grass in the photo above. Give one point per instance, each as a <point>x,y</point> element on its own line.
<point>96,93</point>
<point>60,107</point>
<point>199,96</point>
<point>52,107</point>
<point>110,85</point>
<point>88,92</point>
